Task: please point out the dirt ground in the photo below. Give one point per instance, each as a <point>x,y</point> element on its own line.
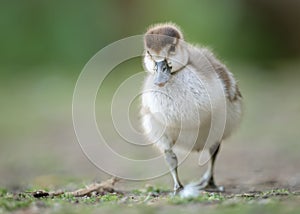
<point>39,148</point>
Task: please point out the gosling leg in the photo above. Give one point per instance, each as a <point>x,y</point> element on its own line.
<point>207,181</point>
<point>172,162</point>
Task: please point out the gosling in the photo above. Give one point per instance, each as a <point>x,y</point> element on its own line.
<point>180,97</point>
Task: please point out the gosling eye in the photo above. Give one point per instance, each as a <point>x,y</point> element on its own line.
<point>172,49</point>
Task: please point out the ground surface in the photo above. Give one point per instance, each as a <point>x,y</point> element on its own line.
<point>259,165</point>
<point>154,200</point>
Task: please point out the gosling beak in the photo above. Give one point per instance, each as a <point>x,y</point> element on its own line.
<point>163,73</point>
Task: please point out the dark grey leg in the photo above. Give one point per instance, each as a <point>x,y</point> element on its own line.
<point>207,182</point>
<point>172,162</point>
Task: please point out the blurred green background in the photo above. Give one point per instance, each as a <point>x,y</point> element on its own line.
<point>65,33</point>
<point>45,44</point>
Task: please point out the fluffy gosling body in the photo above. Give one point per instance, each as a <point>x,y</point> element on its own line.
<point>176,101</point>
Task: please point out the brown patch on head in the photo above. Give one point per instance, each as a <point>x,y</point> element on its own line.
<point>159,36</point>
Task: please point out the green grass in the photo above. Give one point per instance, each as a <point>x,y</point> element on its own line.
<point>271,201</point>
<point>205,197</point>
<point>15,201</point>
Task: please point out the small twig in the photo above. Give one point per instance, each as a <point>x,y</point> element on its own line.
<point>99,188</point>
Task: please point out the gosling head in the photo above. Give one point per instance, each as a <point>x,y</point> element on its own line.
<point>165,52</point>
